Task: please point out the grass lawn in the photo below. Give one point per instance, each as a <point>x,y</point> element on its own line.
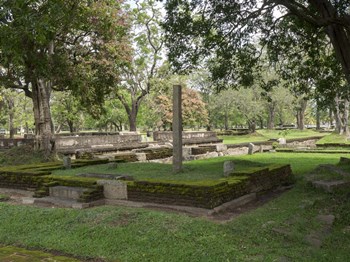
<point>208,168</point>
<point>264,135</point>
<point>333,138</point>
<point>257,137</point>
<point>205,169</point>
<point>16,254</point>
<point>273,232</point>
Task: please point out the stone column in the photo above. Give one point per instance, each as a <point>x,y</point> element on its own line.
<point>177,129</point>
<point>67,162</point>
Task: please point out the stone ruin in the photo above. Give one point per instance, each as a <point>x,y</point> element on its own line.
<point>130,148</point>
<point>97,143</point>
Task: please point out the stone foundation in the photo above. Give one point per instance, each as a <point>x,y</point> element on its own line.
<point>209,196</point>
<point>6,143</point>
<point>188,138</point>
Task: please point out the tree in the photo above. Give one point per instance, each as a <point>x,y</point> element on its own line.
<point>279,100</point>
<point>222,108</point>
<point>139,76</point>
<point>8,98</point>
<point>200,80</point>
<point>66,111</point>
<point>61,45</point>
<point>114,117</point>
<point>333,91</point>
<point>194,111</point>
<point>18,110</point>
<point>229,30</point>
<point>250,105</point>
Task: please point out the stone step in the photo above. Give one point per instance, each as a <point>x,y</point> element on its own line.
<point>331,186</point>
<point>66,192</point>
<point>59,202</point>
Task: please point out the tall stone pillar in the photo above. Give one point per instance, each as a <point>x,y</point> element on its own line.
<point>177,129</point>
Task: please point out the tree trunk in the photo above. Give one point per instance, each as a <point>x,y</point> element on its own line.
<point>301,114</point>
<point>318,118</point>
<point>330,118</point>
<point>271,117</point>
<point>338,121</point>
<point>71,126</point>
<point>131,111</point>
<point>252,126</point>
<point>58,129</point>
<point>226,120</point>
<point>261,122</point>
<point>11,107</point>
<point>42,115</point>
<point>132,120</point>
<point>346,118</point>
<point>298,119</point>
<point>301,120</point>
<point>208,127</point>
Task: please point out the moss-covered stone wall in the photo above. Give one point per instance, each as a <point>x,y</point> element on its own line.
<point>209,194</point>
<point>37,178</point>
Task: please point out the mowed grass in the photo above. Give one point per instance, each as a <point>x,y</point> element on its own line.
<point>208,168</point>
<point>264,135</point>
<point>334,138</point>
<point>16,254</point>
<point>274,232</point>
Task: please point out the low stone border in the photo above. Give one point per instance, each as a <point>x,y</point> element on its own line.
<point>210,194</point>
<point>241,201</point>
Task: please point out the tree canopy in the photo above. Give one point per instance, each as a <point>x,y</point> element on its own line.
<point>61,45</point>
<point>230,35</point>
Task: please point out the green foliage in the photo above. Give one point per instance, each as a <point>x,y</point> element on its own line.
<point>16,110</point>
<point>141,74</point>
<point>227,33</point>
<point>284,133</point>
<point>66,111</point>
<point>113,119</point>
<point>62,45</point>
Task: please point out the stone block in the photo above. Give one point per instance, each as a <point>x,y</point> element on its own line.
<point>326,219</point>
<point>261,149</point>
<point>114,189</point>
<point>331,186</point>
<point>282,141</point>
<point>103,176</point>
<point>186,153</point>
<point>250,148</point>
<point>221,147</point>
<point>229,167</point>
<point>212,154</point>
<point>141,157</point>
<point>67,162</point>
<point>237,151</point>
<point>65,192</point>
<point>344,160</point>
